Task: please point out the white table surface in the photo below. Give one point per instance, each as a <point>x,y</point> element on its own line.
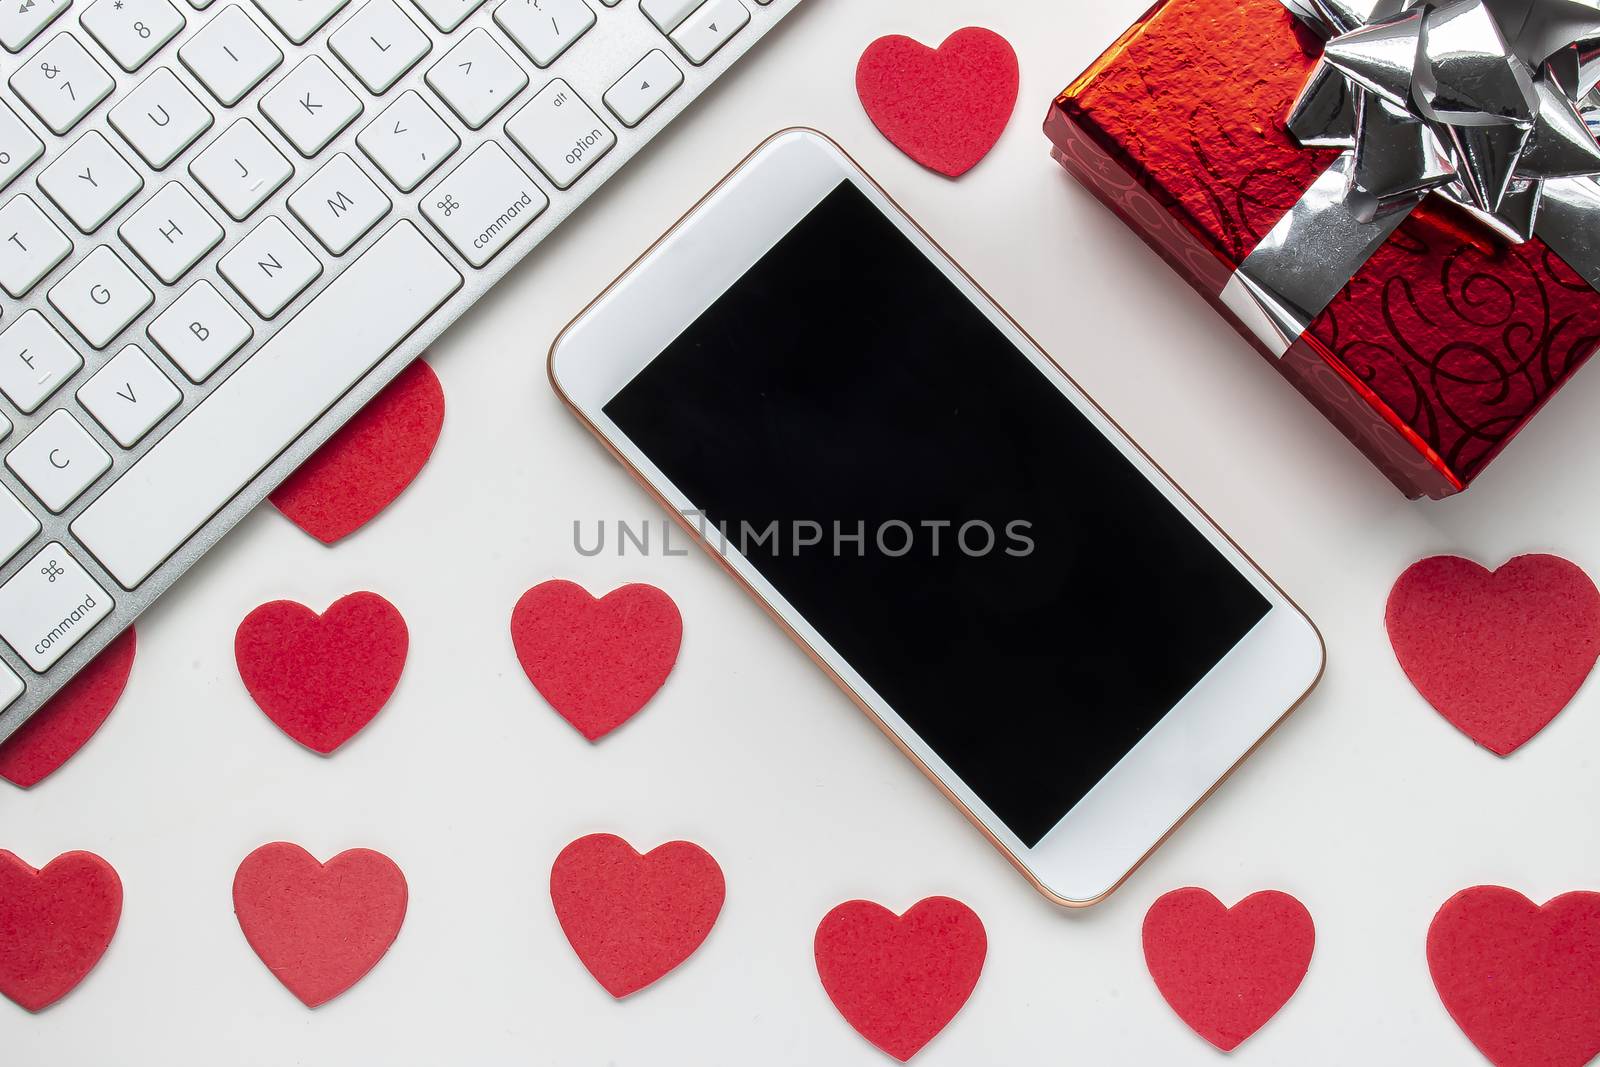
<point>1366,804</point>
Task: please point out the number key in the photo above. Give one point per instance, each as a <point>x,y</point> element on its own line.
<point>61,83</point>
<point>132,30</point>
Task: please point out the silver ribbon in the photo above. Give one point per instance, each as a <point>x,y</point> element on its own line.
<point>1491,104</point>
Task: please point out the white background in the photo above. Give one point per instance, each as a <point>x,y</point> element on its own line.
<point>1366,804</point>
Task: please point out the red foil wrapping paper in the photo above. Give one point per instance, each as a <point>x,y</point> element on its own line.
<point>1445,342</point>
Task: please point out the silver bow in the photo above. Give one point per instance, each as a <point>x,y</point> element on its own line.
<point>1491,104</point>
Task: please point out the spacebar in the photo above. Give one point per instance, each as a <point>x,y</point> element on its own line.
<point>255,414</point>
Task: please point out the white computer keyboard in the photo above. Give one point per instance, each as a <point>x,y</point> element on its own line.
<point>223,227</point>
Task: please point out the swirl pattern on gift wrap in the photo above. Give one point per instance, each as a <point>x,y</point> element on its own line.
<point>1463,344</point>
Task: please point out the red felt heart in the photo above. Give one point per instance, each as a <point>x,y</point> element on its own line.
<point>596,661</point>
<point>319,927</point>
<point>55,924</point>
<point>633,918</point>
<point>944,108</point>
<point>900,979</point>
<point>321,678</point>
<point>68,719</point>
<point>369,461</point>
<point>1522,982</point>
<point>1226,971</point>
<point>1498,654</point>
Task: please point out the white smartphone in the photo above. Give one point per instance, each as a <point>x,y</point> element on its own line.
<point>980,558</point>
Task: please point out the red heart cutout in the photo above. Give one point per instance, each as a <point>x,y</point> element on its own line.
<point>369,461</point>
<point>319,927</point>
<point>633,918</point>
<point>1227,971</point>
<point>1522,982</point>
<point>944,108</point>
<point>900,979</point>
<point>55,924</point>
<point>56,731</point>
<point>1498,654</point>
<point>596,661</point>
<point>321,678</point>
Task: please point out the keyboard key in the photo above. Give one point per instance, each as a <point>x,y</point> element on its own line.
<point>482,204</point>
<point>100,296</point>
<point>61,83</point>
<point>129,395</point>
<point>477,78</point>
<point>58,461</point>
<point>408,141</point>
<point>711,26</point>
<point>17,527</point>
<point>310,106</point>
<point>448,14</point>
<point>199,331</point>
<point>339,204</point>
<point>230,55</point>
<point>299,19</point>
<point>270,267</point>
<point>544,28</point>
<point>21,22</point>
<point>18,146</point>
<point>132,30</point>
<point>261,408</point>
<point>560,133</point>
<point>161,118</point>
<point>379,44</point>
<point>89,182</point>
<point>666,14</point>
<point>30,245</point>
<point>171,232</point>
<point>241,169</point>
<point>49,605</point>
<point>34,361</point>
<point>10,687</point>
<point>641,90</point>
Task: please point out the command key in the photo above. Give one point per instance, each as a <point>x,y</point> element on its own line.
<point>482,204</point>
<point>49,605</point>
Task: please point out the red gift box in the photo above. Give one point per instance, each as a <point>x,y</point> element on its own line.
<point>1444,343</point>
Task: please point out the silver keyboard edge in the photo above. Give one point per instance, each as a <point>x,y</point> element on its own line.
<point>590,71</point>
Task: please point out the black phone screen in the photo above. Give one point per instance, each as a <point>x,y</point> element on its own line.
<point>917,489</point>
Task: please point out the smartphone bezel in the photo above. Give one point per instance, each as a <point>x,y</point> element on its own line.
<point>1124,817</point>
